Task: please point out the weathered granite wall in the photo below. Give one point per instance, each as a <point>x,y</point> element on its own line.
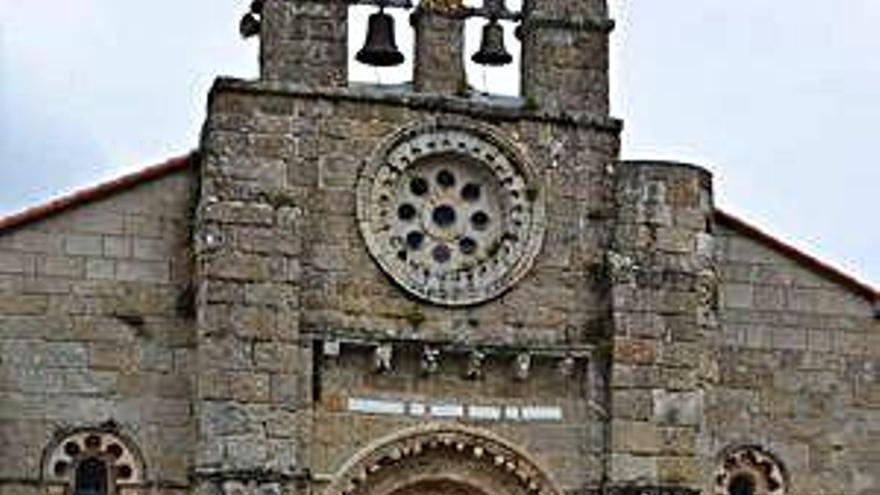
<point>96,327</point>
<point>798,372</point>
<point>241,337</point>
<point>285,273</point>
<point>661,274</point>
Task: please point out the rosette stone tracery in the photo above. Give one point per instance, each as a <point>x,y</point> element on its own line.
<point>452,213</point>
<point>750,471</point>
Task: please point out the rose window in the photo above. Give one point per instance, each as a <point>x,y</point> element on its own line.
<point>451,215</point>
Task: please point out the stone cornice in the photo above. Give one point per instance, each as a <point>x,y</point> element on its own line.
<point>480,107</point>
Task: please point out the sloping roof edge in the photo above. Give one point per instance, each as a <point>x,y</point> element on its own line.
<point>95,193</point>
<point>179,163</point>
<point>810,262</point>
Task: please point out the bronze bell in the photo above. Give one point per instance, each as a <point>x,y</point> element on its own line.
<point>492,50</point>
<point>249,25</point>
<point>380,50</point>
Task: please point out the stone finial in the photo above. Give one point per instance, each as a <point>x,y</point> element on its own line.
<point>430,362</point>
<point>475,364</point>
<point>382,357</point>
<point>522,365</point>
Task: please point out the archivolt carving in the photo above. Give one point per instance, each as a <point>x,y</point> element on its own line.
<point>752,470</point>
<point>442,459</point>
<point>104,443</point>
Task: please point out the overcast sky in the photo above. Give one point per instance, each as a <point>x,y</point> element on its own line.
<point>781,99</point>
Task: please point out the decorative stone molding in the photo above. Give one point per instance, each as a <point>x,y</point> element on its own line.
<point>62,456</point>
<point>382,357</point>
<point>567,366</point>
<point>430,362</point>
<point>475,364</point>
<point>522,365</point>
<point>750,466</point>
<point>476,460</point>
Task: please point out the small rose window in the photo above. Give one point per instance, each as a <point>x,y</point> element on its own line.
<point>92,462</point>
<point>750,471</point>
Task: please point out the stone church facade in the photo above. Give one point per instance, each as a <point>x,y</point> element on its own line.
<point>349,290</point>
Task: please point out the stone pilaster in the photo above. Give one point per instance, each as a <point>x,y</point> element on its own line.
<point>305,42</point>
<point>439,48</point>
<point>565,55</point>
<point>252,378</point>
<point>663,296</point>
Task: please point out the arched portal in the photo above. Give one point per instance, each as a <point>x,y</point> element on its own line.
<point>442,460</point>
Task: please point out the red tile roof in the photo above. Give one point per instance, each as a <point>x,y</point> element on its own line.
<point>183,162</point>
<point>95,193</point>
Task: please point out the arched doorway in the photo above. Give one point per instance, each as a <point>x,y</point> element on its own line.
<point>442,460</point>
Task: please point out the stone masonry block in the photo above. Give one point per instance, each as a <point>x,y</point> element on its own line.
<point>143,271</point>
<point>117,246</point>
<point>84,245</point>
<point>150,249</point>
<point>636,404</point>
<point>678,441</point>
<point>678,470</point>
<point>21,305</point>
<point>100,269</point>
<point>635,437</point>
<point>737,295</point>
<point>226,418</point>
<point>635,351</point>
<point>249,387</point>
<point>628,468</point>
<point>247,452</point>
<point>16,263</point>
<point>60,266</point>
<point>678,408</point>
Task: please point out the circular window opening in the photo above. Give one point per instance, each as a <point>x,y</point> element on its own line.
<point>468,246</point>
<point>471,192</point>
<point>60,468</point>
<point>444,215</point>
<point>742,484</point>
<point>115,450</point>
<point>415,239</point>
<point>124,472</point>
<point>418,186</point>
<point>406,212</point>
<point>480,220</point>
<point>441,253</point>
<point>93,442</point>
<point>71,448</point>
<point>445,178</point>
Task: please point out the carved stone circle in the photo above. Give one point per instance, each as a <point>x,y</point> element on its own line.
<point>442,459</point>
<point>753,467</point>
<point>452,211</point>
<point>66,452</point>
